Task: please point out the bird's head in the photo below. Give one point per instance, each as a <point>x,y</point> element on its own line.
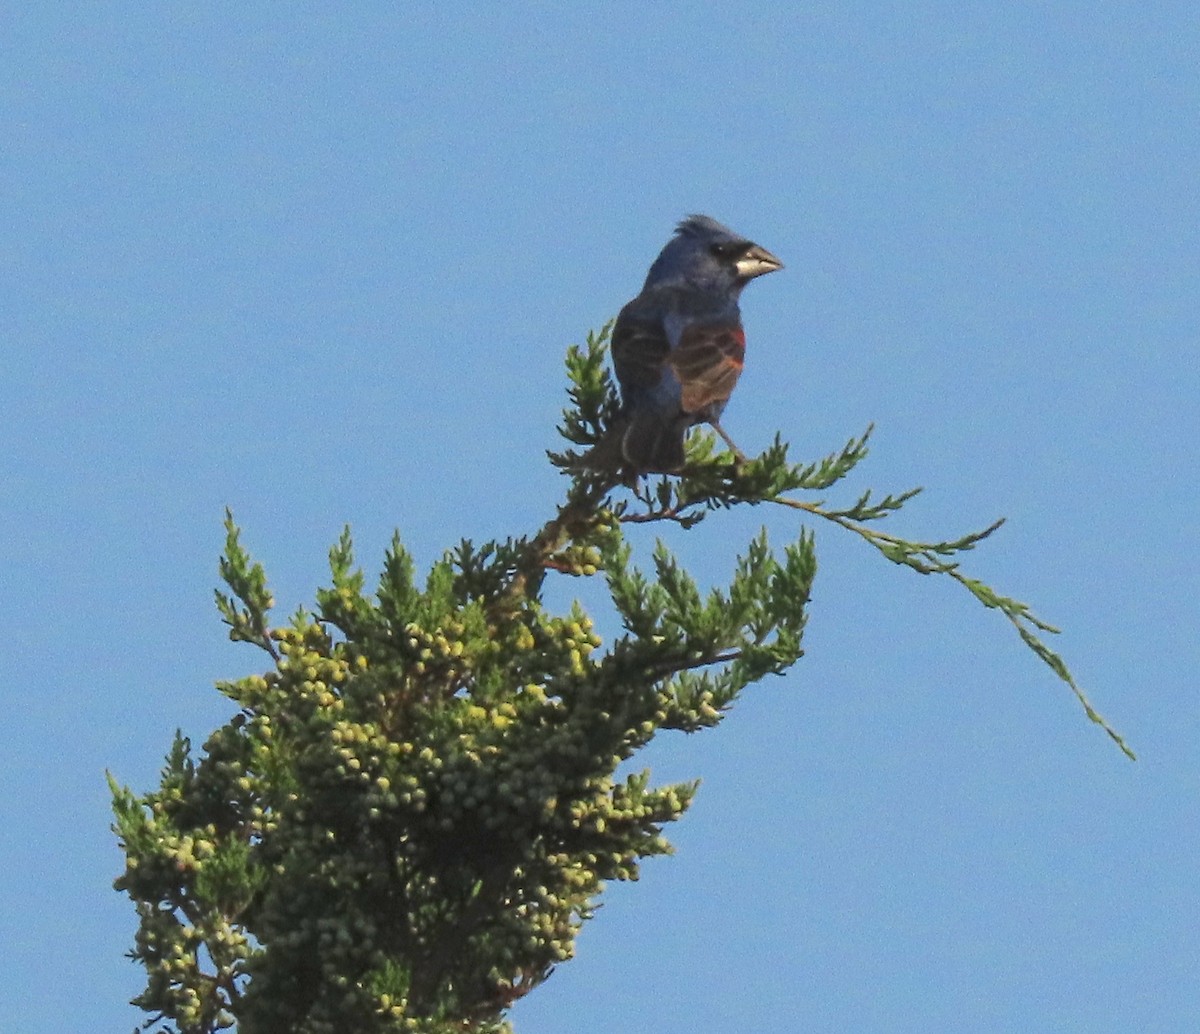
<point>705,255</point>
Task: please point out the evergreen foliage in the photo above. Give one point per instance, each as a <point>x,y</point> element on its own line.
<point>417,805</point>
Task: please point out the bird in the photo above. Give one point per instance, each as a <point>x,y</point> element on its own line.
<point>678,347</point>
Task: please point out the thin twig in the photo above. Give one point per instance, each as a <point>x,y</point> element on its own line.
<point>1017,613</point>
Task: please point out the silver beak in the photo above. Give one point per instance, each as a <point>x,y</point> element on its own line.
<point>756,262</point>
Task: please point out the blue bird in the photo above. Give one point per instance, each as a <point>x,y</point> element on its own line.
<point>678,347</point>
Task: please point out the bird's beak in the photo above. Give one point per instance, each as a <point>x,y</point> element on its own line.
<point>755,262</point>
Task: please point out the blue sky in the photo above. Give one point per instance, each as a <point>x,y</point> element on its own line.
<point>320,264</point>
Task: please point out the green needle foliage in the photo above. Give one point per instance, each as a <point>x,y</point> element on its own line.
<point>416,806</point>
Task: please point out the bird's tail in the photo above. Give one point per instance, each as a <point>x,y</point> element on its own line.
<point>641,442</point>
<point>653,442</point>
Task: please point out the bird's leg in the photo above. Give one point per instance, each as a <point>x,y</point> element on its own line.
<point>738,454</point>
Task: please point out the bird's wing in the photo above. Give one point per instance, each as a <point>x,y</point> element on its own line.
<point>708,362</point>
<point>639,346</point>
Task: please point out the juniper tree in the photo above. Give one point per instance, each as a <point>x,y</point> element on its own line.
<point>416,806</point>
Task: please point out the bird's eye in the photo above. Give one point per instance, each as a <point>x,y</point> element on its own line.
<point>725,249</point>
